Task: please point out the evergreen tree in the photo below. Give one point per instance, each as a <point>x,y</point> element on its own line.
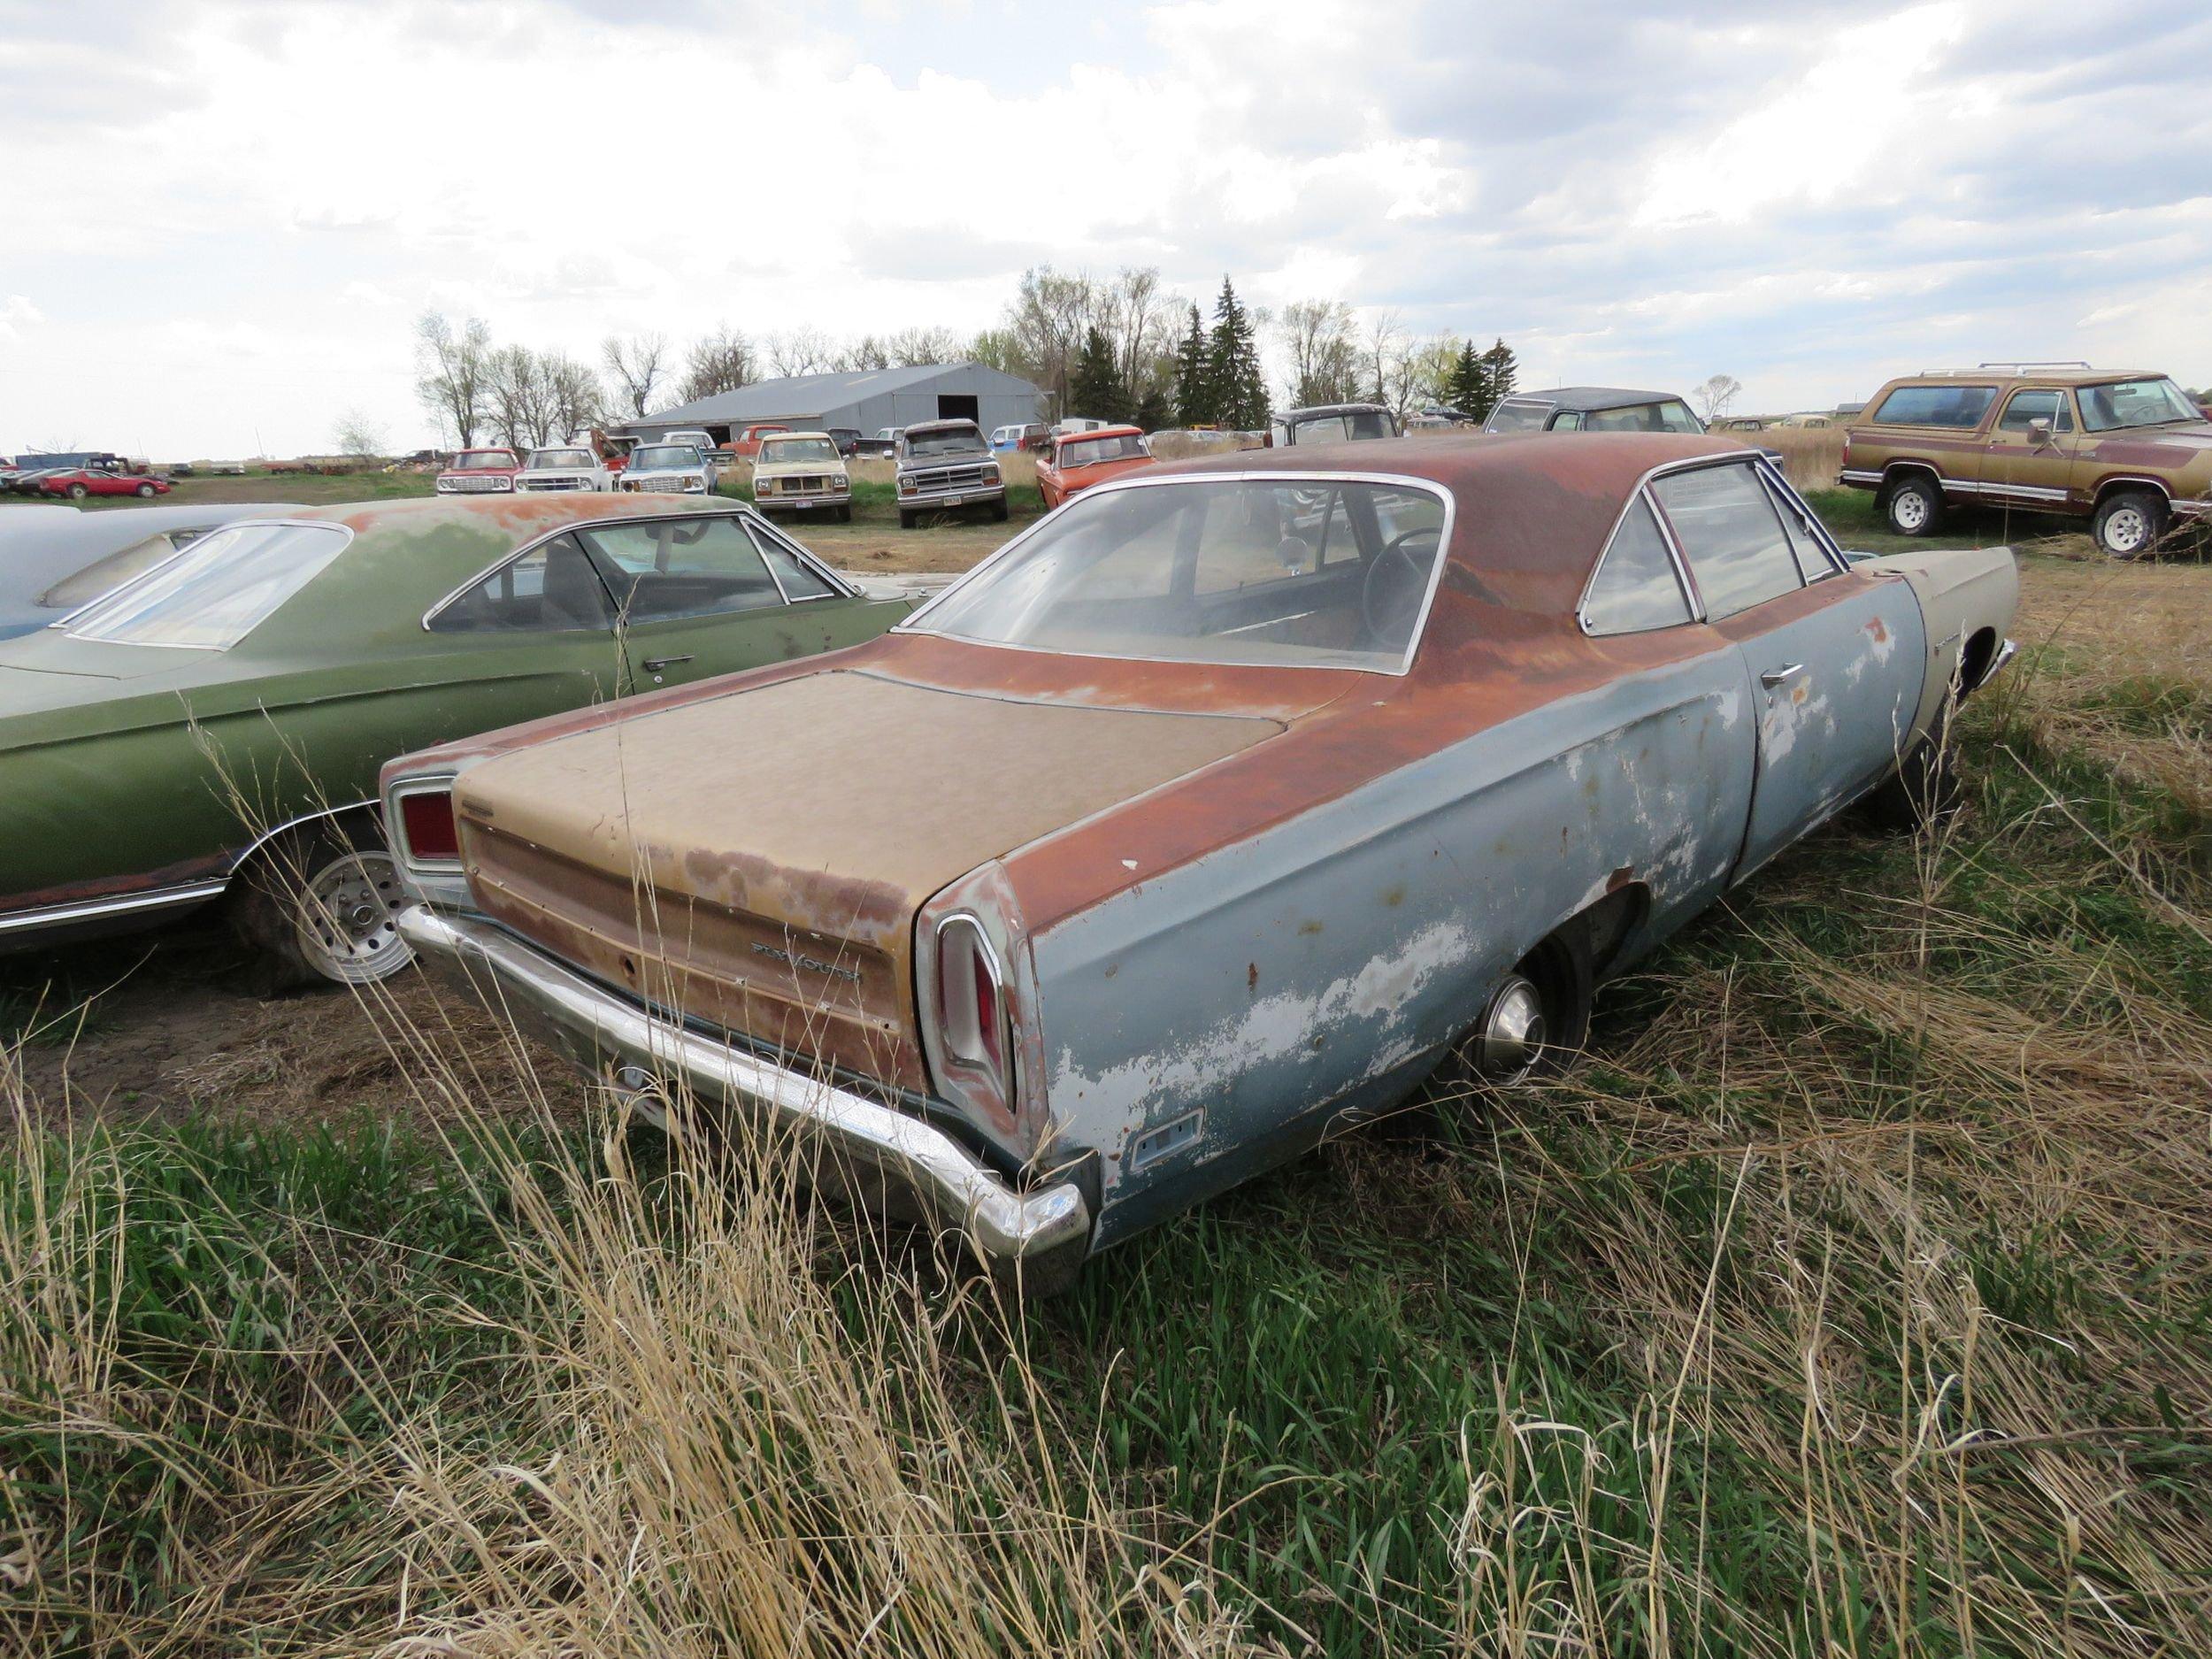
<point>1193,384</point>
<point>1467,388</point>
<point>1156,410</point>
<point>1095,391</point>
<point>1504,372</point>
<point>1239,388</point>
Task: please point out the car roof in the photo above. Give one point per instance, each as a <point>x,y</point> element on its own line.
<point>1586,399</point>
<point>1124,431</point>
<point>800,432</point>
<point>939,425</point>
<point>1333,409</point>
<point>2026,377</point>
<point>1531,511</point>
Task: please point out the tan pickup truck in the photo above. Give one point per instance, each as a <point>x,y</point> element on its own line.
<point>2129,451</point>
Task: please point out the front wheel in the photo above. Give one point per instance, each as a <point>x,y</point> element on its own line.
<point>999,509</point>
<point>2129,524</point>
<point>1922,793</point>
<point>1916,506</point>
<point>144,492</point>
<point>1539,1017</point>
<point>845,513</point>
<point>321,902</point>
<point>906,519</point>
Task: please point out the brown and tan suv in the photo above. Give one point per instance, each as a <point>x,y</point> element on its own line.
<point>2128,451</point>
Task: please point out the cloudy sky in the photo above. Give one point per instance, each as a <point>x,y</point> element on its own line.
<point>222,217</point>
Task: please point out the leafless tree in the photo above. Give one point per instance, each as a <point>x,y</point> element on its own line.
<point>867,352</point>
<point>572,395</point>
<point>722,362</point>
<point>453,365</point>
<point>355,434</point>
<point>512,395</point>
<point>637,364</point>
<point>1382,352</point>
<point>1049,316</point>
<point>1715,394</point>
<point>806,350</point>
<point>1325,358</point>
<point>910,348</point>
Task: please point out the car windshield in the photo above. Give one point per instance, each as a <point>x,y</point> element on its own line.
<point>1307,572</point>
<point>783,451</point>
<point>1122,446</point>
<point>218,590</point>
<point>482,460</point>
<point>1357,423</point>
<point>1518,417</point>
<point>2152,402</point>
<point>952,441</point>
<point>655,457</point>
<point>1669,415</point>
<point>561,458</point>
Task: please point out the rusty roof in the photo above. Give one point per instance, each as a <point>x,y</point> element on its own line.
<point>1531,510</point>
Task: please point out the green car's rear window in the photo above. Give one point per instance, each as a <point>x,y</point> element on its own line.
<point>218,590</point>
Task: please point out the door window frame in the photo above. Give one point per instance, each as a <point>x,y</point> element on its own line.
<point>1998,433</point>
<point>748,519</point>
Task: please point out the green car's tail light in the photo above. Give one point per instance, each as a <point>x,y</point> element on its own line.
<point>425,818</point>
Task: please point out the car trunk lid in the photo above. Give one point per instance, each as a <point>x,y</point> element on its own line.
<point>755,859</point>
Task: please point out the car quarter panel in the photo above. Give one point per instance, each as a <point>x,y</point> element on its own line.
<point>1314,968</point>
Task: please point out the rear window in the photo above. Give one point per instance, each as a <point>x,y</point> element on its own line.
<point>1957,406</point>
<point>1511,416</point>
<point>218,590</point>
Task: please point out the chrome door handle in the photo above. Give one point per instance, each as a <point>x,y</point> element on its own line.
<point>1772,678</point>
<point>653,664</point>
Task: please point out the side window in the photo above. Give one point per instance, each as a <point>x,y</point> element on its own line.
<point>1812,558</point>
<point>1636,587</point>
<point>1957,406</point>
<point>1571,421</point>
<point>1727,529</point>
<point>798,581</point>
<point>683,566</point>
<point>2046,404</point>
<point>548,589</point>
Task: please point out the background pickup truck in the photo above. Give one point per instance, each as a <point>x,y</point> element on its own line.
<point>946,465</point>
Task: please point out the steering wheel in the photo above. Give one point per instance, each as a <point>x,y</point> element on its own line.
<point>1387,615</point>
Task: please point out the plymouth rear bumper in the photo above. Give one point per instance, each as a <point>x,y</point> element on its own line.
<point>900,1164</point>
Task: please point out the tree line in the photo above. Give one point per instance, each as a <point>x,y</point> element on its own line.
<point>1110,348</point>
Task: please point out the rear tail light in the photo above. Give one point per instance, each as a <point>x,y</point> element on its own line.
<point>427,831</point>
<point>973,1020</point>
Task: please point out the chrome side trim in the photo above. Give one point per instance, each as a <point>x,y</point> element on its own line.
<point>1141,481</point>
<point>270,833</point>
<point>129,904</point>
<point>1858,475</point>
<point>2190,508</point>
<point>602,1033</point>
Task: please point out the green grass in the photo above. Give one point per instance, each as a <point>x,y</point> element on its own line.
<point>1853,520</point>
<point>1853,1297</point>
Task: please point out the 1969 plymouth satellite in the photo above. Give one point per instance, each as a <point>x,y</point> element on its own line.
<point>1220,804</point>
<point>215,727</point>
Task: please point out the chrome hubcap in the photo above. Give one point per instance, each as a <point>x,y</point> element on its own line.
<point>347,920</point>
<point>1513,1032</point>
<point>2125,531</point>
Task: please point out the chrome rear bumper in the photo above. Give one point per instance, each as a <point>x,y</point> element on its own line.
<point>894,1155</point>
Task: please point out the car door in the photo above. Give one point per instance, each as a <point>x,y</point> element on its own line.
<point>2029,460</point>
<point>711,594</point>
<point>1832,658</point>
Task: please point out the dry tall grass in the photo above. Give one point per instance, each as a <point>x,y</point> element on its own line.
<point>1811,456</point>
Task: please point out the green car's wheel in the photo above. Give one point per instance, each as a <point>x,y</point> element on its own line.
<point>323,907</point>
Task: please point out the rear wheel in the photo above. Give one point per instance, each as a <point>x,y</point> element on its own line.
<point>78,492</point>
<point>2128,524</point>
<point>1915,505</point>
<point>321,902</point>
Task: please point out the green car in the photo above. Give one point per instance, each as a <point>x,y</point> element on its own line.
<point>213,729</point>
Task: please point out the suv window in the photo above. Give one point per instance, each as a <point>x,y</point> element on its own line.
<point>685,566</point>
<point>548,589</point>
<point>1727,529</point>
<point>2045,403</point>
<point>1636,587</point>
<point>1961,406</point>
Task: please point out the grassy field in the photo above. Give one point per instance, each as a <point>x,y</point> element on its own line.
<point>1853,1297</point>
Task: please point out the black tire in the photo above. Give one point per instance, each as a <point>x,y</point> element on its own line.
<point>1922,791</point>
<point>1558,972</point>
<point>845,513</point>
<point>144,492</point>
<point>906,519</point>
<point>1913,505</point>
<point>2129,524</point>
<point>999,509</point>
<point>343,870</point>
<point>78,492</point>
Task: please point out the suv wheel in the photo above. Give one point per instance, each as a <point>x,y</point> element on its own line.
<point>1915,505</point>
<point>2129,524</point>
<point>906,519</point>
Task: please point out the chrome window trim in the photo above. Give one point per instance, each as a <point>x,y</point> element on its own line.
<point>1694,601</point>
<point>1779,485</point>
<point>1682,573</point>
<point>736,510</point>
<point>912,623</point>
<point>1758,461</point>
<point>758,524</point>
<point>237,524</point>
<point>2065,402</point>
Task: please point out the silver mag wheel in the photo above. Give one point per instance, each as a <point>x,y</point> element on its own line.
<point>345,918</point>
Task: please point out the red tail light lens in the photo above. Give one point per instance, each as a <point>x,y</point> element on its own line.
<point>972,1010</point>
<point>426,819</point>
